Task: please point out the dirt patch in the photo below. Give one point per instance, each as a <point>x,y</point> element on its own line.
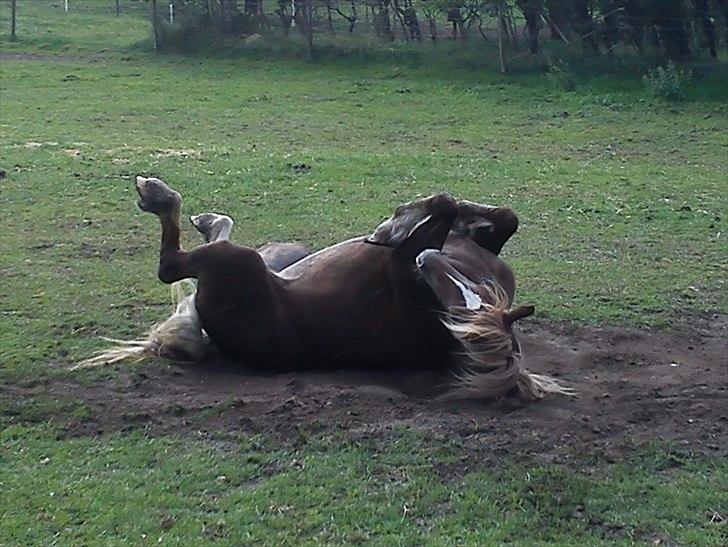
<point>634,386</point>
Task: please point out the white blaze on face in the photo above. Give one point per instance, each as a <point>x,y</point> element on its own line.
<point>472,300</point>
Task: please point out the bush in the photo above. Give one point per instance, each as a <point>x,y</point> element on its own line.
<point>560,76</point>
<point>668,82</point>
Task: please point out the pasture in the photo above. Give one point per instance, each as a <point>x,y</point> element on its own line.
<point>622,248</point>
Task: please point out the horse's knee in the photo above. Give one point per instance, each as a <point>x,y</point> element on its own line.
<point>507,222</point>
<point>170,269</point>
<point>504,223</point>
<point>166,275</point>
<point>443,205</point>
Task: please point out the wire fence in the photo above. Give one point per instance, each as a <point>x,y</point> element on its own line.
<point>700,26</point>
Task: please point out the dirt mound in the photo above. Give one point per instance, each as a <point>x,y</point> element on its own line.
<point>634,386</point>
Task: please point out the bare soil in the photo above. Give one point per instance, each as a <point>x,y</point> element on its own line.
<point>634,386</point>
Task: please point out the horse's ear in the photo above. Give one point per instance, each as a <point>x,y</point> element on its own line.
<point>519,312</point>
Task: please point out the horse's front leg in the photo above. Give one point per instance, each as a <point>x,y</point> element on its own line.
<point>159,199</point>
<point>417,225</point>
<point>431,231</point>
<point>490,227</point>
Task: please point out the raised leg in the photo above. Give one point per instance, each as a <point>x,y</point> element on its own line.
<point>277,256</point>
<point>417,225</point>
<point>490,227</point>
<point>159,199</point>
<point>431,231</point>
<point>213,227</point>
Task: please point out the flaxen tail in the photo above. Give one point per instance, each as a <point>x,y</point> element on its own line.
<point>179,338</point>
<point>491,364</point>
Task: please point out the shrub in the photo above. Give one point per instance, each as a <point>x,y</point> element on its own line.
<point>560,76</point>
<point>668,82</point>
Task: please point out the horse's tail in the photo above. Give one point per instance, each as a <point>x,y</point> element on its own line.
<point>179,338</point>
<point>492,356</point>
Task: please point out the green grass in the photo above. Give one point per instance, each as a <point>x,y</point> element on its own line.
<point>623,206</point>
<point>137,489</point>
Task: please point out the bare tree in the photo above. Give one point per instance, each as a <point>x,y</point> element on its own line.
<point>305,18</point>
<point>155,25</point>
<point>13,37</point>
<point>351,19</point>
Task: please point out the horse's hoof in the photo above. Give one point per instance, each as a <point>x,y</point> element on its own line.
<point>155,196</point>
<point>212,226</point>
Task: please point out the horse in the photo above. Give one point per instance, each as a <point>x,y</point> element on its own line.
<point>426,290</point>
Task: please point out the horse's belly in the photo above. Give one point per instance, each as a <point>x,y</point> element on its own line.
<point>372,328</point>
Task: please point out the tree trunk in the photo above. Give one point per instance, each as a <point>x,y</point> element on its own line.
<point>116,5</point>
<point>411,21</point>
<point>724,9</point>
<point>634,18</point>
<point>228,14</point>
<point>532,10</point>
<point>155,25</point>
<point>381,18</point>
<point>432,25</point>
<point>283,16</point>
<point>13,37</point>
<point>328,15</point>
<point>708,25</point>
<point>610,33</point>
<point>559,17</point>
<point>398,16</point>
<point>501,28</point>
<point>586,26</point>
<point>252,7</point>
<point>304,21</point>
<point>670,18</point>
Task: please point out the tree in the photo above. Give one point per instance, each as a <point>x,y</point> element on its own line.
<point>305,21</point>
<point>532,10</point>
<point>13,37</point>
<point>155,25</point>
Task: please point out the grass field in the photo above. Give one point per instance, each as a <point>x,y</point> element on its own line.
<point>623,206</point>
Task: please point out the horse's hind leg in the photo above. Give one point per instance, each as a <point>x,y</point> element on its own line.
<point>277,256</point>
<point>212,226</point>
<point>180,337</point>
<point>159,199</point>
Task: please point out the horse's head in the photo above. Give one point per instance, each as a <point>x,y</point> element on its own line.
<point>457,293</point>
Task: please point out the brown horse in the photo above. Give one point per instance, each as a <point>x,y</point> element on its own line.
<point>426,290</point>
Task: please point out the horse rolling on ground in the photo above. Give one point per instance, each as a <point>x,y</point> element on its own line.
<point>426,290</point>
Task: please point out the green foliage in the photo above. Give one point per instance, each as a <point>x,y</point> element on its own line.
<point>560,76</point>
<point>668,83</point>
